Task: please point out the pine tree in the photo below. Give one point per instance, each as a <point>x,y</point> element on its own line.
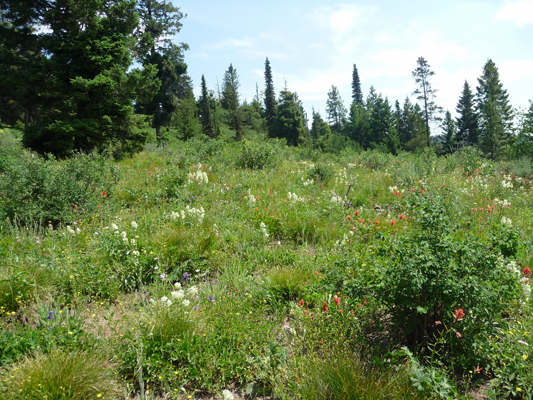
<point>449,132</point>
<point>319,127</point>
<point>524,140</point>
<point>358,124</point>
<point>467,127</point>
<point>289,123</point>
<point>357,94</point>
<point>411,127</point>
<point>230,99</point>
<point>426,93</point>
<point>159,20</point>
<point>494,113</point>
<point>204,110</point>
<point>270,96</point>
<point>336,110</point>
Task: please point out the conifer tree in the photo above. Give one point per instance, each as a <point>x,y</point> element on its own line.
<point>467,126</point>
<point>289,123</point>
<point>204,110</point>
<point>426,93</point>
<point>357,94</point>
<point>270,96</point>
<point>449,131</point>
<point>336,110</point>
<point>230,99</point>
<point>494,113</point>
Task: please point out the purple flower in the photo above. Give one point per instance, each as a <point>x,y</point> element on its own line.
<point>195,308</point>
<point>162,276</point>
<point>186,277</point>
<point>50,315</point>
<point>210,299</point>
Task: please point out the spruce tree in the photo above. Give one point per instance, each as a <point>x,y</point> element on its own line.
<point>289,122</point>
<point>494,113</point>
<point>204,110</point>
<point>357,94</point>
<point>159,20</point>
<point>422,74</point>
<point>449,131</point>
<point>336,110</point>
<point>270,96</point>
<point>230,99</point>
<point>467,126</point>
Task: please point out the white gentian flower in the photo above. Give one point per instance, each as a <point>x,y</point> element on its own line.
<point>164,299</point>
<point>186,302</point>
<point>169,303</point>
<point>177,295</point>
<point>134,224</point>
<point>114,227</point>
<point>177,285</point>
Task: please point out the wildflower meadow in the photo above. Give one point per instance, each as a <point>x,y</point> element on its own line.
<point>213,269</point>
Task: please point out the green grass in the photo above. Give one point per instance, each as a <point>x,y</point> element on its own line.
<point>266,266</point>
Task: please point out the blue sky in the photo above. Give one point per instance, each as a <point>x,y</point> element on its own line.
<point>313,44</point>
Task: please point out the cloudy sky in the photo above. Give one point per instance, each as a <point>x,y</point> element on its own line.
<point>313,45</point>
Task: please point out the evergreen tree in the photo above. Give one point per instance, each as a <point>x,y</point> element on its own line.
<point>336,110</point>
<point>449,132</point>
<point>412,127</point>
<point>88,89</point>
<point>467,126</point>
<point>319,127</point>
<point>357,94</point>
<point>494,113</point>
<point>270,96</point>
<point>381,123</point>
<point>204,110</point>
<point>426,93</point>
<point>289,123</point>
<point>524,140</point>
<point>230,99</point>
<point>357,128</point>
<point>159,20</point>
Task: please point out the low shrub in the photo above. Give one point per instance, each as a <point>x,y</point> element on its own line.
<point>258,155</point>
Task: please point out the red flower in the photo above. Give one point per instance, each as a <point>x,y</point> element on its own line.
<point>458,335</point>
<point>377,222</point>
<point>438,323</point>
<point>300,303</point>
<point>393,222</point>
<point>325,306</point>
<point>349,217</point>
<point>402,216</point>
<point>459,314</point>
<point>356,213</point>
<point>337,300</point>
<point>526,271</point>
<point>365,301</point>
<point>478,369</point>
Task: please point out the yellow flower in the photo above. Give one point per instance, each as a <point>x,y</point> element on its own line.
<point>99,395</point>
<point>518,389</point>
<point>524,356</point>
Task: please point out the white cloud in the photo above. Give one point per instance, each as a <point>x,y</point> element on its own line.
<point>519,11</point>
<point>246,42</point>
<point>515,70</point>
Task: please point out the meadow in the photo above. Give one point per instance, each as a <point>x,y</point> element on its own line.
<point>216,269</point>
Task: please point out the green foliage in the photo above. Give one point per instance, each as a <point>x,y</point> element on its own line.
<point>321,172</point>
<point>46,191</point>
<point>57,375</point>
<point>259,155</point>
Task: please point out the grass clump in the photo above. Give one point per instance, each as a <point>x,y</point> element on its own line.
<point>58,375</point>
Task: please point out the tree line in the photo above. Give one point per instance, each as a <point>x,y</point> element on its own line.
<point>67,80</point>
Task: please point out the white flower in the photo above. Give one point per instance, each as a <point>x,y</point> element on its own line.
<point>70,230</point>
<point>177,285</point>
<point>193,290</point>
<point>507,222</point>
<point>134,224</point>
<point>164,299</point>
<point>124,235</point>
<point>177,295</point>
<point>169,303</point>
<point>133,242</point>
<point>135,252</point>
<point>114,227</point>
<point>227,395</point>
<point>186,302</point>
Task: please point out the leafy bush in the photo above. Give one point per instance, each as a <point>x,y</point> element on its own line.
<point>321,172</point>
<point>48,191</point>
<point>258,155</point>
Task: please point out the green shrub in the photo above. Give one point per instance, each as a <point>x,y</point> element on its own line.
<point>48,191</point>
<point>258,155</point>
<point>321,172</point>
<point>58,375</point>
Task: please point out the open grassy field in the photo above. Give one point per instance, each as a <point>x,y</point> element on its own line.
<point>219,270</point>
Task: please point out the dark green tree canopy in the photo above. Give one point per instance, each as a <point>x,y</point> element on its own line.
<point>335,109</point>
<point>357,94</point>
<point>467,125</point>
<point>289,123</point>
<point>270,96</point>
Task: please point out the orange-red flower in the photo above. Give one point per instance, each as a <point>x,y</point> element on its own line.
<point>459,314</point>
<point>337,300</point>
<point>300,303</point>
<point>526,271</point>
<point>325,306</point>
<point>393,222</point>
<point>356,213</point>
